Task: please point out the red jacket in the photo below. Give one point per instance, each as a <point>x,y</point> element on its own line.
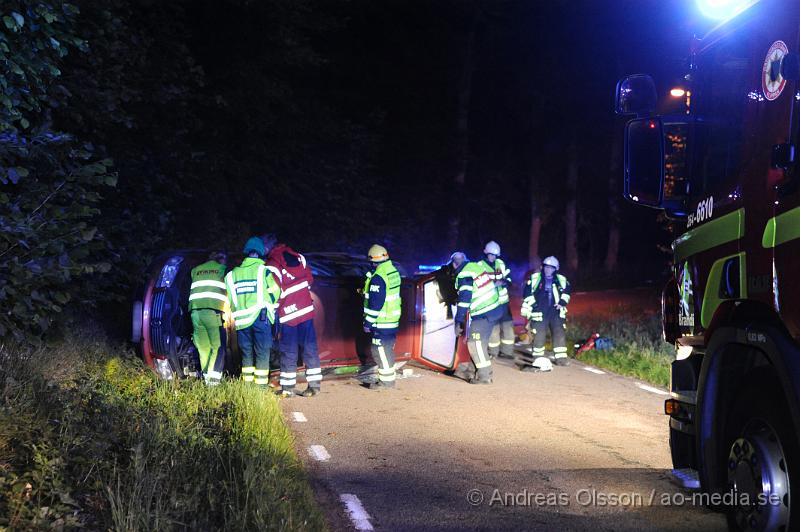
<point>290,270</point>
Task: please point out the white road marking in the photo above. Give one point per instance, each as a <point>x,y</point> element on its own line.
<point>319,453</point>
<point>299,417</point>
<point>594,370</point>
<point>358,515</point>
<point>651,389</point>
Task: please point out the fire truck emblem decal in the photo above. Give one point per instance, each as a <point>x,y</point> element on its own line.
<point>772,81</point>
<point>686,307</point>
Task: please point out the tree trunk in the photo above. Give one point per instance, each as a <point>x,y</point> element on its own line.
<point>612,253</point>
<point>462,128</point>
<point>571,211</point>
<point>534,260</point>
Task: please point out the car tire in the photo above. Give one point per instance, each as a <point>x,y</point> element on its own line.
<point>137,319</point>
<point>761,453</point>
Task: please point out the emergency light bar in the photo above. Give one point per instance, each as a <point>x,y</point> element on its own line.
<point>723,9</point>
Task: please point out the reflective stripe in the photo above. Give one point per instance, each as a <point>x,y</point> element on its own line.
<point>277,272</point>
<point>231,291</point>
<point>372,312</point>
<point>387,378</point>
<point>262,272</point>
<point>561,355</point>
<point>214,374</point>
<point>538,349</point>
<point>313,371</point>
<point>313,378</point>
<point>215,284</point>
<point>482,298</point>
<point>387,325</point>
<point>295,288</point>
<point>297,314</point>
<point>211,295</point>
<point>483,362</point>
<point>466,287</point>
<point>463,305</point>
<point>261,381</point>
<point>492,344</point>
<point>248,369</point>
<point>247,378</point>
<point>507,342</point>
<point>392,297</point>
<point>386,371</point>
<point>261,372</point>
<point>559,350</point>
<point>288,382</point>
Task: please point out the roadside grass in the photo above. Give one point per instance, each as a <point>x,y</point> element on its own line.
<point>638,349</point>
<point>90,438</point>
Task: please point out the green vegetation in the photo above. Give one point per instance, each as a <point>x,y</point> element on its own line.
<point>90,438</point>
<point>638,349</point>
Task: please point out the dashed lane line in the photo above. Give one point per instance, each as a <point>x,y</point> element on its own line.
<point>594,370</point>
<point>319,453</point>
<point>358,515</point>
<point>651,389</point>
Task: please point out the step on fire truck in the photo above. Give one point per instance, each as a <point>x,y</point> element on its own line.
<point>724,168</point>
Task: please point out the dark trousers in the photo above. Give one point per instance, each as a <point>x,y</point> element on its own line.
<point>255,342</point>
<point>502,339</point>
<point>557,326</point>
<point>382,349</point>
<point>297,340</point>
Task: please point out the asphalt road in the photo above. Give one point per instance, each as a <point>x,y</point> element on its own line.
<point>566,450</point>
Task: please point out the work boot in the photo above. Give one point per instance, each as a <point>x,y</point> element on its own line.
<point>285,393</point>
<point>482,376</point>
<point>380,385</point>
<point>311,391</point>
<point>528,369</point>
<point>464,371</point>
<point>506,356</point>
<point>562,361</point>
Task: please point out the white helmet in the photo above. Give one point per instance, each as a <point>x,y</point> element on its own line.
<point>543,364</point>
<point>492,248</point>
<point>551,261</point>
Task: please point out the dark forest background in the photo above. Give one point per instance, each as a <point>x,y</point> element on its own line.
<point>130,127</point>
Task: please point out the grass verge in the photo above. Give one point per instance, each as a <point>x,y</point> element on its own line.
<point>90,438</point>
<point>638,349</point>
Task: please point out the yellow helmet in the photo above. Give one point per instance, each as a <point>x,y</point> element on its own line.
<point>377,253</point>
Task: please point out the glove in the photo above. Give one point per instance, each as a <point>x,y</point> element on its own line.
<point>459,327</point>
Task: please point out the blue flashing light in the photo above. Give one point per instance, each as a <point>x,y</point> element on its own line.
<point>428,267</point>
<point>723,9</point>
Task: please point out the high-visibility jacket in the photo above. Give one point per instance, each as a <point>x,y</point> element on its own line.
<point>382,304</point>
<point>292,273</point>
<point>535,300</point>
<point>476,290</point>
<point>502,276</point>
<point>251,288</point>
<point>208,286</point>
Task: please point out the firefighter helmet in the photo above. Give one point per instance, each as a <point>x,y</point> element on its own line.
<point>543,364</point>
<point>492,248</point>
<point>458,258</point>
<point>377,253</point>
<point>551,261</point>
<point>254,245</point>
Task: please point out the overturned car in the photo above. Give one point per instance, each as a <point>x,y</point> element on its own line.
<point>162,327</point>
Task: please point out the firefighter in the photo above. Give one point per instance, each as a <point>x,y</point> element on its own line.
<point>207,297</point>
<point>544,303</point>
<point>295,320</point>
<point>382,306</point>
<point>501,342</point>
<point>253,294</point>
<point>477,295</point>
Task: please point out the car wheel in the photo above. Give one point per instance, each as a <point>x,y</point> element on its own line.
<point>762,455</point>
<point>136,322</point>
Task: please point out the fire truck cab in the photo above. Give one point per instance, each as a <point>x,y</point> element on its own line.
<point>723,168</point>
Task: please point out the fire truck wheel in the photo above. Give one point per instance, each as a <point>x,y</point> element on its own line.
<point>681,446</point>
<point>761,453</point>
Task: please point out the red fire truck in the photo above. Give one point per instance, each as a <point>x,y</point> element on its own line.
<point>724,169</point>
